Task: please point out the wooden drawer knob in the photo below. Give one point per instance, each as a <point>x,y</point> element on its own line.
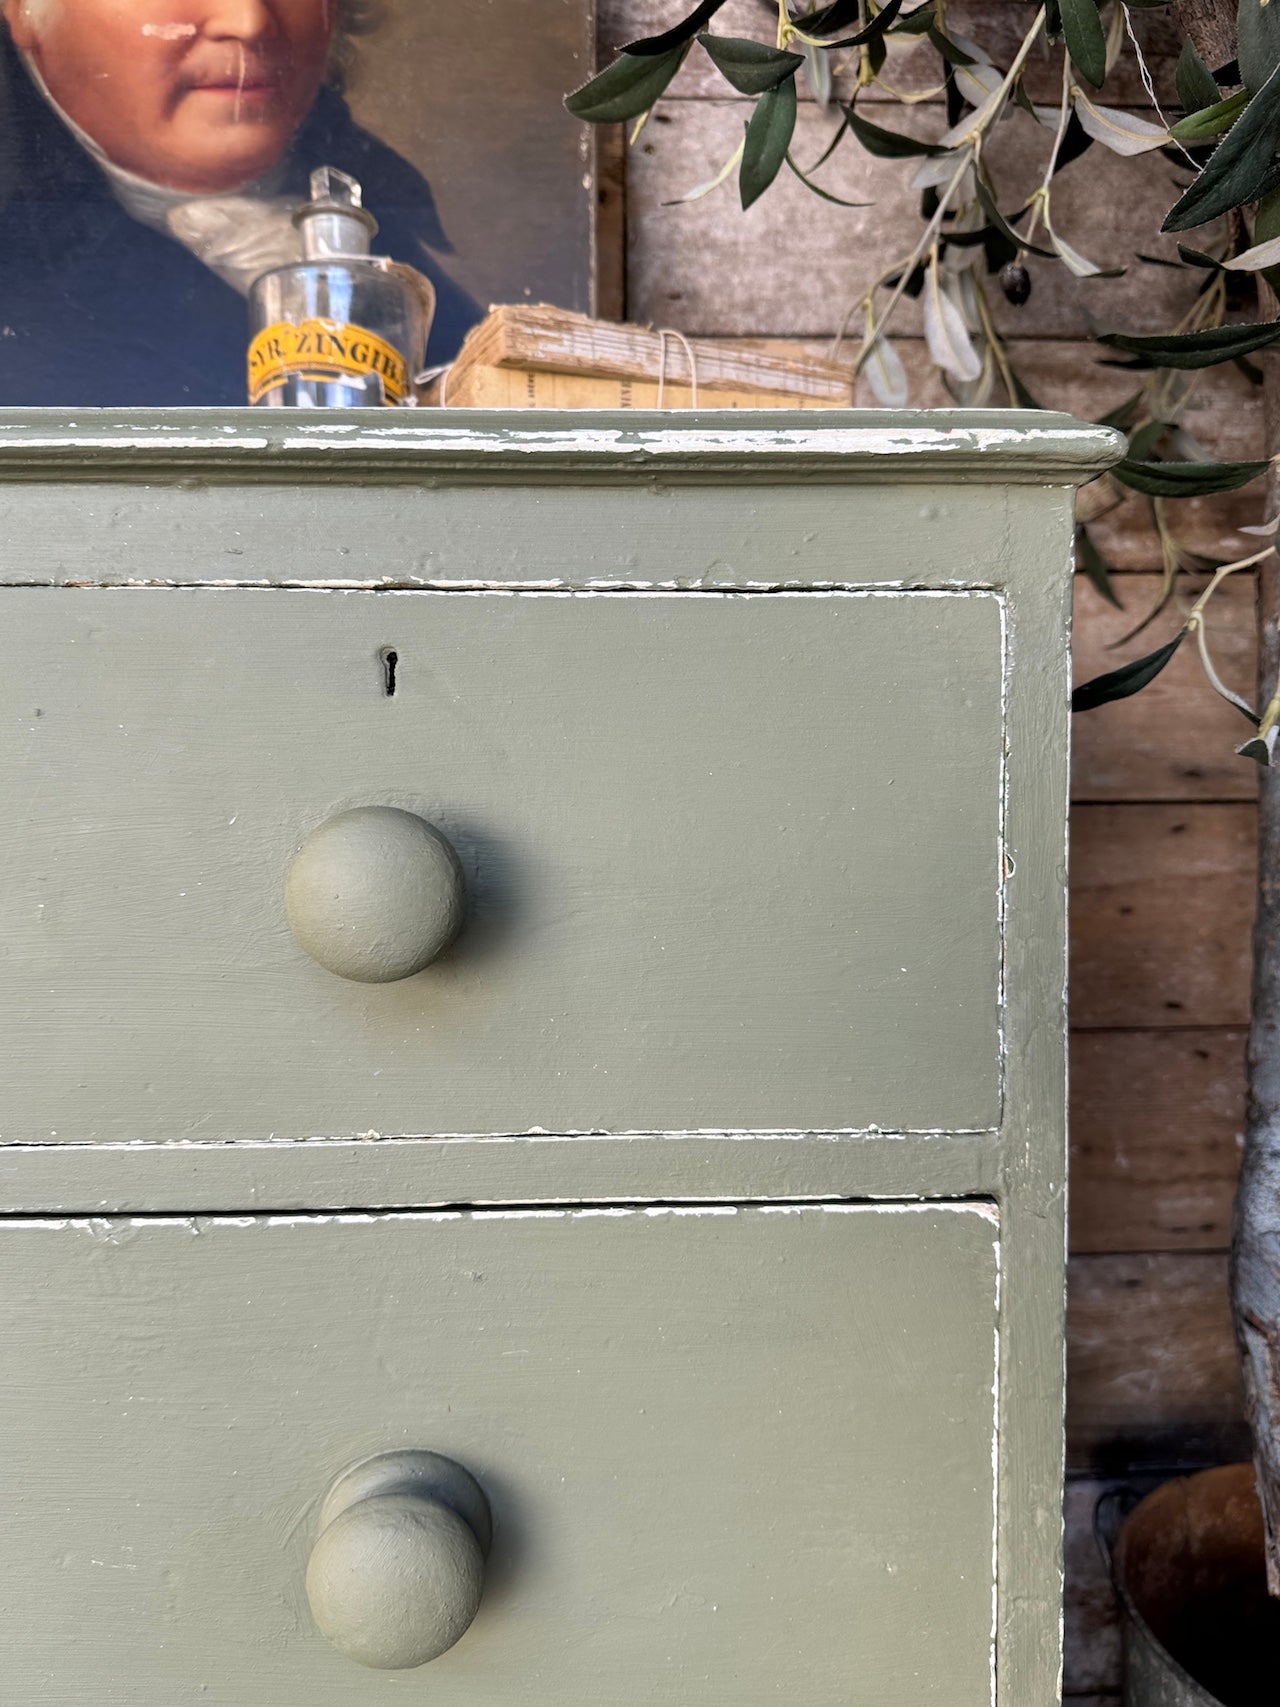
<point>375,894</point>
<point>396,1575</point>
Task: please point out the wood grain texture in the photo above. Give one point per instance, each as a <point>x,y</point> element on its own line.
<point>1156,1123</point>
<point>609,282</point>
<point>1153,1376</point>
<point>1162,898</point>
<point>698,267</point>
<point>1176,739</point>
<point>1092,1622</point>
<point>686,1485</point>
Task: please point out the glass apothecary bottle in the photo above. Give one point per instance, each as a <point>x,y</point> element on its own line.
<point>341,328</point>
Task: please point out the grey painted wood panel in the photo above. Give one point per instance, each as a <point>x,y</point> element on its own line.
<point>737,1456</point>
<point>734,861</point>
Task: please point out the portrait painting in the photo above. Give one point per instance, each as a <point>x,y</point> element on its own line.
<point>154,154</point>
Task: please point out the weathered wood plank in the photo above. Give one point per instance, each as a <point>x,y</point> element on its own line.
<point>1156,1118</point>
<point>610,281</point>
<point>996,25</point>
<point>1091,1625</point>
<point>1161,906</point>
<point>1152,1376</point>
<point>1176,739</point>
<point>795,264</point>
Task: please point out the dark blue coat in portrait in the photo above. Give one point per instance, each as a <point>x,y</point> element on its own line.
<point>97,309</point>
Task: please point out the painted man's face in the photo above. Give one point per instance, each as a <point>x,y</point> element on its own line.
<point>199,95</point>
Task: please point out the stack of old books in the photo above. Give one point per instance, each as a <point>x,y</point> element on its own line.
<point>537,357</point>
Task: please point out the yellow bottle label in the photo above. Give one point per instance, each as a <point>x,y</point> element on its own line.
<point>324,349</point>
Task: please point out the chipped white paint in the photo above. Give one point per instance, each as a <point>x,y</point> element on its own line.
<point>887,446</point>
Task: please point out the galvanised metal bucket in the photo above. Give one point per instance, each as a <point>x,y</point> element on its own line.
<point>1199,1628</point>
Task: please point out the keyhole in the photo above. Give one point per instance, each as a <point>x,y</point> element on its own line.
<point>390,664</point>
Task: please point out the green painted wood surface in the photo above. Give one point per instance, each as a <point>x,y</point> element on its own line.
<point>734,1456</point>
<point>842,510</point>
<point>733,861</point>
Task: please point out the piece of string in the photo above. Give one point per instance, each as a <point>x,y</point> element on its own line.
<point>663,334</point>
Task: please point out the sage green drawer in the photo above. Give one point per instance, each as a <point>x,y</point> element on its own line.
<point>732,860</point>
<point>734,1456</point>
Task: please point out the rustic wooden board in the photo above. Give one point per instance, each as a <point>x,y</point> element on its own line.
<point>1152,1377</point>
<point>1176,739</point>
<point>724,1448</point>
<point>997,25</point>
<point>1091,1630</point>
<point>1161,905</point>
<point>794,264</point>
<point>1156,1119</point>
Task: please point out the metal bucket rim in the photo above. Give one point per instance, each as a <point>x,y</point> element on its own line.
<point>1179,1674</point>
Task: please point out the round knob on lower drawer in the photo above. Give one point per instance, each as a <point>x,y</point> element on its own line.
<point>396,1575</point>
<point>375,894</point>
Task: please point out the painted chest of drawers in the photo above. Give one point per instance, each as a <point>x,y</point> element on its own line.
<point>532,1129</point>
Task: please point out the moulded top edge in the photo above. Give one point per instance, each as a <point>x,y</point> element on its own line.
<point>853,445</point>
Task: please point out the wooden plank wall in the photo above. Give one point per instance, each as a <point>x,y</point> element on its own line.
<point>1163,832</point>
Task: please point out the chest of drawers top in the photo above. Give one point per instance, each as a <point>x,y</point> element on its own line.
<point>747,732</point>
<point>534,944</point>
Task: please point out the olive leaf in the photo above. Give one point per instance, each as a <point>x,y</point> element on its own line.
<point>751,67</point>
<point>830,17</point>
<point>1075,262</point>
<point>827,195</point>
<point>888,144</point>
<point>1254,260</point>
<point>1145,439</point>
<point>950,51</point>
<point>1240,165</point>
<point>885,373</point>
<point>836,16</point>
<point>679,35</point>
<point>1215,680</point>
<point>1257,41</point>
<point>1195,81</point>
<point>818,75</point>
<point>708,184</point>
<point>1261,747</point>
<point>1095,567</point>
<point>1086,39</point>
<point>945,332</point>
<point>1121,132</point>
<point>987,198</point>
<point>916,23</point>
<point>977,83</point>
<point>1122,414</point>
<point>1206,123</point>
<point>1186,479</point>
<point>1022,397</point>
<point>768,139</point>
<point>1129,679</point>
<point>1196,349</point>
<point>626,88</point>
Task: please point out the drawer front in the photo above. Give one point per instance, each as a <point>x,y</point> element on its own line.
<point>732,861</point>
<point>734,1456</point>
